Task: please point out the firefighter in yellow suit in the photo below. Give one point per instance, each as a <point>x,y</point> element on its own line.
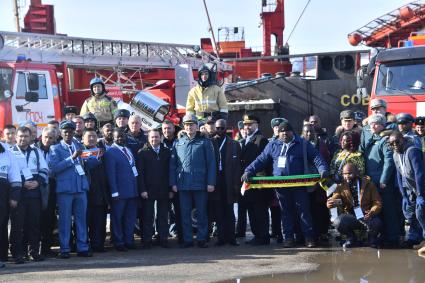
<point>206,98</point>
<point>102,106</point>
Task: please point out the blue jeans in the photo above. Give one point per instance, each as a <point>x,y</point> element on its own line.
<point>294,202</point>
<point>415,214</point>
<point>201,202</point>
<point>72,204</point>
<point>123,216</point>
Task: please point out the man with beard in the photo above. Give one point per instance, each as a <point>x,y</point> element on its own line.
<point>227,154</point>
<point>359,204</point>
<point>108,138</point>
<point>411,179</point>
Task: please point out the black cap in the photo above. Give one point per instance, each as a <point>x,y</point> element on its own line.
<point>249,119</point>
<point>70,109</point>
<point>420,120</point>
<point>66,124</point>
<point>404,118</point>
<point>285,126</point>
<point>89,116</point>
<point>122,113</point>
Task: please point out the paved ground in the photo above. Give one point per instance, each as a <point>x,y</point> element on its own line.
<point>167,265</point>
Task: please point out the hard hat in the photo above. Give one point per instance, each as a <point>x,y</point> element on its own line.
<point>97,80</point>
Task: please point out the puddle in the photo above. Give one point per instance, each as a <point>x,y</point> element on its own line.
<point>356,265</point>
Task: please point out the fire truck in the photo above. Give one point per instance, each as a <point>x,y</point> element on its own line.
<point>40,74</point>
<point>397,72</point>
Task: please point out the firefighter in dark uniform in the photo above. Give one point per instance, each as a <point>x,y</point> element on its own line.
<point>121,118</point>
<point>256,201</point>
<point>420,131</point>
<point>69,112</point>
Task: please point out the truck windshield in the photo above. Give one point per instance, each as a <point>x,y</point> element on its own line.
<point>401,78</point>
<point>5,81</point>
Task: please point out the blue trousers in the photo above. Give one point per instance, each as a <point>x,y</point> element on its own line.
<point>123,216</point>
<point>72,204</point>
<point>201,204</point>
<point>415,214</point>
<point>294,202</point>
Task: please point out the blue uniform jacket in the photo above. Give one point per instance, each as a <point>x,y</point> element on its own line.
<point>294,158</point>
<point>63,168</point>
<point>120,174</point>
<point>192,164</point>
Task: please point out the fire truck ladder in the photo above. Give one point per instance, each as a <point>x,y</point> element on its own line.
<point>392,26</point>
<point>89,52</point>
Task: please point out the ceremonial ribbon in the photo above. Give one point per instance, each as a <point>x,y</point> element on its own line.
<point>273,182</point>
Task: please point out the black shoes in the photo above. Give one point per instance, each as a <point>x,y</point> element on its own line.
<point>64,255</point>
<point>146,245</point>
<point>121,248</point>
<point>310,243</point>
<point>219,243</point>
<point>288,243</point>
<point>36,258</point>
<point>19,260</point>
<point>186,245</point>
<point>85,254</point>
<point>164,244</point>
<point>130,247</point>
<point>98,249</point>
<point>202,244</point>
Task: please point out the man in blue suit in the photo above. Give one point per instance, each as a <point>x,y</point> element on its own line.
<point>71,189</point>
<point>122,173</point>
<point>291,155</point>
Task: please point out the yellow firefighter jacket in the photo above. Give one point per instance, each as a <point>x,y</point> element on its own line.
<point>102,107</point>
<point>206,100</point>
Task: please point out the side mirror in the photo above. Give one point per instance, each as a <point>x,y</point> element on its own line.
<point>33,82</point>
<point>31,96</point>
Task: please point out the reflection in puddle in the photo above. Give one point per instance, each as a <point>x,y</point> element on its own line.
<point>357,265</point>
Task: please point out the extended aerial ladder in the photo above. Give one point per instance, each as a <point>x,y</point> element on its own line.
<point>123,65</point>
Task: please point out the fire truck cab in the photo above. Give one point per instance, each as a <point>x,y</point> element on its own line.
<point>29,91</point>
<point>399,78</point>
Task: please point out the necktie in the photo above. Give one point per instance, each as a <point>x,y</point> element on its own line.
<point>126,153</point>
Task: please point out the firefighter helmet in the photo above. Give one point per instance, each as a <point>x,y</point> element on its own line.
<point>94,81</point>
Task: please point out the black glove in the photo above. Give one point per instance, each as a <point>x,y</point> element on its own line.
<point>245,177</point>
<point>324,174</point>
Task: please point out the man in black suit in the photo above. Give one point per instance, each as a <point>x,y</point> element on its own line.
<point>255,201</point>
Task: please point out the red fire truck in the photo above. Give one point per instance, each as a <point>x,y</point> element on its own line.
<point>397,73</point>
<point>40,74</point>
